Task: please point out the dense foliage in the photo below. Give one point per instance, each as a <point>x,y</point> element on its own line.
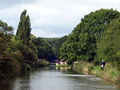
<point>44,49</point>
<point>8,65</point>
<point>49,48</point>
<point>16,52</point>
<point>82,42</point>
<point>109,46</point>
<point>24,29</point>
<point>56,44</point>
<point>23,43</point>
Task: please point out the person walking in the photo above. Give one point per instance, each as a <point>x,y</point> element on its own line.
<point>102,65</point>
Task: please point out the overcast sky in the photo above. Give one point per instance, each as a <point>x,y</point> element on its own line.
<point>52,18</point>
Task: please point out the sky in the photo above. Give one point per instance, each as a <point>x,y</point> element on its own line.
<point>52,18</point>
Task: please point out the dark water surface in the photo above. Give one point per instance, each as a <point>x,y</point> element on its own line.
<point>57,79</point>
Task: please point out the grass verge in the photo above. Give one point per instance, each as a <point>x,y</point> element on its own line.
<point>109,73</point>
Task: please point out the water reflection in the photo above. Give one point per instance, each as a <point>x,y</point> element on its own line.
<point>62,69</point>
<point>53,78</point>
<point>6,85</point>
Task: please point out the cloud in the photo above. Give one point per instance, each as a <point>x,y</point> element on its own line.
<point>52,18</point>
<point>11,3</point>
<point>41,33</point>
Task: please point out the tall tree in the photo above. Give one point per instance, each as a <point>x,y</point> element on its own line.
<point>82,41</point>
<point>24,28</point>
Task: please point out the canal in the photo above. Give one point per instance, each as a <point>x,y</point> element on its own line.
<point>53,78</point>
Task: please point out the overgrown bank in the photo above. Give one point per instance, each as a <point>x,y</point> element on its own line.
<point>95,38</point>
<point>110,73</point>
<point>18,52</point>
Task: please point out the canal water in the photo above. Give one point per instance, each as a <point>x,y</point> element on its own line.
<point>53,78</point>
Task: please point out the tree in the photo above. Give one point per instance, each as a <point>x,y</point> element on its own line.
<point>26,48</point>
<point>8,65</point>
<point>44,49</point>
<point>5,37</point>
<point>56,44</point>
<point>24,29</point>
<point>82,41</point>
<point>109,46</point>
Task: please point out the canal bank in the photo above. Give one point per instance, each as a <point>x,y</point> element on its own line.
<point>109,73</point>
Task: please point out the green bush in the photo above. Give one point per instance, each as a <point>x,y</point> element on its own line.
<point>42,64</point>
<point>9,68</point>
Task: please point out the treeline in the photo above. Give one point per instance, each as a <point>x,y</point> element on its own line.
<point>95,38</point>
<point>56,44</point>
<point>24,51</point>
<point>49,48</point>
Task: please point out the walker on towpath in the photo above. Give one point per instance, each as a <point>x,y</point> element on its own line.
<point>102,65</point>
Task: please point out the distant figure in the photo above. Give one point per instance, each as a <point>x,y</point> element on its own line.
<point>102,65</point>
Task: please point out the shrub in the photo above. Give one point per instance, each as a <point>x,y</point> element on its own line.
<point>9,68</point>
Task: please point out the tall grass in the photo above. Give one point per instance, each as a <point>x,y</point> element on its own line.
<point>109,73</point>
